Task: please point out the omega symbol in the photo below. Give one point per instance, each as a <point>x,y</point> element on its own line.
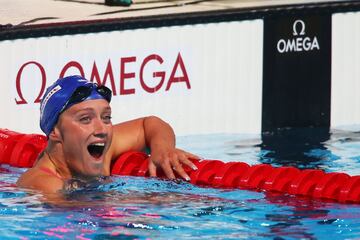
<point>299,42</point>
<point>302,27</point>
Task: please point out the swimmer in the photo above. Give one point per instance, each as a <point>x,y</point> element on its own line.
<point>75,115</point>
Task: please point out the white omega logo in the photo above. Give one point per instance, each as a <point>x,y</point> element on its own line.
<point>302,27</point>
<point>300,42</point>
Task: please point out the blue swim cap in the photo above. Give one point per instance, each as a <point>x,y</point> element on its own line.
<point>57,96</point>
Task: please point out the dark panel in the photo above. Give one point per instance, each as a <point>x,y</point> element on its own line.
<point>296,71</point>
<point>8,32</point>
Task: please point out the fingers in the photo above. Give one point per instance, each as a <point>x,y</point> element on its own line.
<point>168,170</point>
<point>152,169</point>
<point>165,165</point>
<point>193,156</point>
<point>185,160</point>
<point>180,170</point>
<point>173,162</point>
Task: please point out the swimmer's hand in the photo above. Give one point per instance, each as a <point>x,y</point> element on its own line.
<point>171,160</point>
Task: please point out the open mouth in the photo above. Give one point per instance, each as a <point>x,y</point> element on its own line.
<point>96,149</point>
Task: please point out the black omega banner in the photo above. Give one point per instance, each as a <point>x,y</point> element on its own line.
<point>296,71</point>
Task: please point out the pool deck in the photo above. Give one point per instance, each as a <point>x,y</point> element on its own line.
<point>33,12</point>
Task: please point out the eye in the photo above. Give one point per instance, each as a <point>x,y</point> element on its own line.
<point>85,119</point>
<point>107,119</point>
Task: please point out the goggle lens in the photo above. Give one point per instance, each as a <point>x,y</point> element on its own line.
<point>83,92</point>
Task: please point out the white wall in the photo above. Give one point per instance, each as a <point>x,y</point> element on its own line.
<point>223,63</point>
<point>345,89</point>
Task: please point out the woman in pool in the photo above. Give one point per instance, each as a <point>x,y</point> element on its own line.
<point>82,142</point>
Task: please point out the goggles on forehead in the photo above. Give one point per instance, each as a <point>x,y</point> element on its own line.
<point>83,92</point>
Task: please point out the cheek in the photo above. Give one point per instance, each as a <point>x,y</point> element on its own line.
<point>110,132</point>
<point>73,135</point>
<point>110,129</point>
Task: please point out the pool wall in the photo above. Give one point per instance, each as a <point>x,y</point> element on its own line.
<point>233,71</point>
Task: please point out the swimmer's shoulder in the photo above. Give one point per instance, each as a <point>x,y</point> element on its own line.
<point>36,178</point>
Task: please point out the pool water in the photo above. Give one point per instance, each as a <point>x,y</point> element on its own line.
<point>148,208</point>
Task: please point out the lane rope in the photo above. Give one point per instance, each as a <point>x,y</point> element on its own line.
<point>21,150</point>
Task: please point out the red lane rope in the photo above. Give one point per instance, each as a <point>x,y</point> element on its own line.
<point>21,150</point>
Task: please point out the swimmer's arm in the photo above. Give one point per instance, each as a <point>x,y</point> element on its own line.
<point>158,135</point>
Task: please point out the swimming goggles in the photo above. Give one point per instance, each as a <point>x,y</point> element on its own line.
<point>83,92</point>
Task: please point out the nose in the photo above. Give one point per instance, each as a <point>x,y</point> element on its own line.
<point>99,128</point>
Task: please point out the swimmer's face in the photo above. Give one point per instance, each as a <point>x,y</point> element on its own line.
<point>85,130</point>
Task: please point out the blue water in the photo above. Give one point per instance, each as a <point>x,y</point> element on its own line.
<point>144,208</point>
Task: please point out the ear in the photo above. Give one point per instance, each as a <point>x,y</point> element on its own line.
<point>55,134</point>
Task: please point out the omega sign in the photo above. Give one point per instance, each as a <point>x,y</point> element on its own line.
<point>300,42</point>
<point>131,71</point>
